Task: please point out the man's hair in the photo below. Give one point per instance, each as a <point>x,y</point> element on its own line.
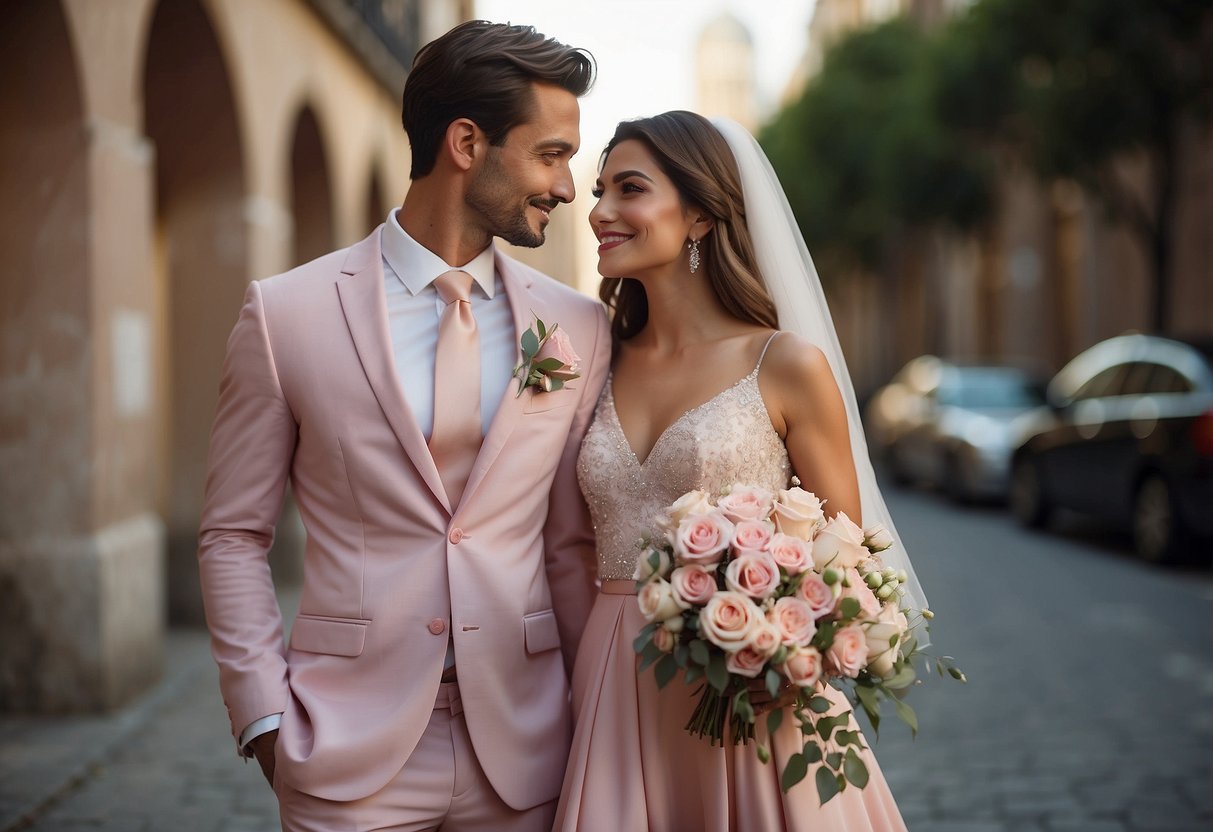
<point>483,72</point>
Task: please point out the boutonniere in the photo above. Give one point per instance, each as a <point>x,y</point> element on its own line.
<point>548,359</point>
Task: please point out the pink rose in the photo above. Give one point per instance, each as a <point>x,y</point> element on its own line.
<point>693,584</point>
<point>746,662</point>
<point>658,601</point>
<point>766,639</point>
<point>803,667</point>
<point>728,620</point>
<point>664,640</point>
<point>798,512</point>
<point>702,538</point>
<point>839,544</point>
<point>849,653</point>
<point>855,587</point>
<point>751,537</point>
<point>817,594</point>
<point>557,345</point>
<point>745,503</point>
<point>795,619</point>
<point>754,575</point>
<point>792,553</point>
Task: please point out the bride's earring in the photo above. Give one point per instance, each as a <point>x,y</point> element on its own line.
<point>693,246</point>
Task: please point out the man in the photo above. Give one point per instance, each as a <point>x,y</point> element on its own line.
<point>448,568</point>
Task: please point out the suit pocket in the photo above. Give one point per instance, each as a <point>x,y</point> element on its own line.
<point>331,636</point>
<point>541,631</point>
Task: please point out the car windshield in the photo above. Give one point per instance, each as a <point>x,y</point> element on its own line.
<point>990,390</point>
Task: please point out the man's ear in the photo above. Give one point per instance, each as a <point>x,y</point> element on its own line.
<point>463,143</point>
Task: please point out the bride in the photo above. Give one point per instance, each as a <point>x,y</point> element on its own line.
<point>726,369</point>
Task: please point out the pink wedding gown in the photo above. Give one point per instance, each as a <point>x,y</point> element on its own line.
<point>632,767</point>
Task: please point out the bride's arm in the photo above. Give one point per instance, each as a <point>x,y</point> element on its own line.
<point>807,410</point>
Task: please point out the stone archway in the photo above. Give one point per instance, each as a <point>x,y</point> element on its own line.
<point>202,263</point>
<point>46,369</point>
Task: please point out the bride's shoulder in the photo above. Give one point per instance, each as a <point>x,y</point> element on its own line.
<point>797,372</point>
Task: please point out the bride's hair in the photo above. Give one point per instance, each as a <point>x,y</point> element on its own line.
<point>697,159</point>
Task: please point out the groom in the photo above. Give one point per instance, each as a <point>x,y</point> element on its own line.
<point>449,557</point>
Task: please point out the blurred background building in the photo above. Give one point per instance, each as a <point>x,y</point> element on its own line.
<point>156,156</point>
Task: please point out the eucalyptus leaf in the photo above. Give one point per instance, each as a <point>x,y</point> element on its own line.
<point>543,332</point>
<point>649,655</point>
<point>834,759</point>
<point>907,715</point>
<point>819,704</point>
<point>855,770</point>
<point>849,607</point>
<point>699,652</point>
<point>681,654</point>
<point>774,680</point>
<point>827,785</point>
<point>774,720</point>
<point>794,771</point>
<point>665,670</point>
<point>645,636</point>
<point>902,679</point>
<point>549,364</point>
<point>557,384</point>
<point>812,752</point>
<point>693,674</point>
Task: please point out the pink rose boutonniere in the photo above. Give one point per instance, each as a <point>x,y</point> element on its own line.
<point>548,359</point>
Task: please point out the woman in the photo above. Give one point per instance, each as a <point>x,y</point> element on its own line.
<point>705,391</point>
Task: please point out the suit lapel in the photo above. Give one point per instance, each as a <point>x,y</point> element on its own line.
<point>365,307</point>
<point>523,306</point>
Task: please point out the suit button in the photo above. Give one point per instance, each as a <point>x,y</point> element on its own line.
<point>455,536</point>
<point>437,626</point>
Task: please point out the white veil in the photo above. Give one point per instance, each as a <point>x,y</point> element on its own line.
<point>800,302</point>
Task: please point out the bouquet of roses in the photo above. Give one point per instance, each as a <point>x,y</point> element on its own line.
<point>760,586</point>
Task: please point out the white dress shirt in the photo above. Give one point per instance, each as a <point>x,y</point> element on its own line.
<point>413,312</point>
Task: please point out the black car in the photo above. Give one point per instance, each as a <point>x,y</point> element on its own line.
<point>1128,436</point>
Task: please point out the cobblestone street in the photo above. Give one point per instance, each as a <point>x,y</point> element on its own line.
<point>1089,706</point>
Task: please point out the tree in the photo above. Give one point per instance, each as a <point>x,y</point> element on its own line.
<point>1080,86</point>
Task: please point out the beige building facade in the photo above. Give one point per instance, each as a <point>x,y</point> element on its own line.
<point>157,155</point>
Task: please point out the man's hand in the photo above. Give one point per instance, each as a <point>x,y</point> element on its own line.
<point>263,750</point>
<point>761,700</point>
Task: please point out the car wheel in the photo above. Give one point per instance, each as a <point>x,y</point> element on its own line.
<point>1157,533</point>
<point>1028,501</point>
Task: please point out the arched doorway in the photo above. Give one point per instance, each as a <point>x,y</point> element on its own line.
<point>311,194</point>
<point>202,261</point>
<point>46,369</point>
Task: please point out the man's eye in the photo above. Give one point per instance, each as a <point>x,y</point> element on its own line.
<point>596,193</point>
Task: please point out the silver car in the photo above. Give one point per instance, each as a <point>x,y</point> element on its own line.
<point>952,426</point>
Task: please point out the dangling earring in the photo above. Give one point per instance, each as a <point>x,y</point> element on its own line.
<point>694,248</point>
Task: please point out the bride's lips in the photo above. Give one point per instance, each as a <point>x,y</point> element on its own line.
<point>610,240</point>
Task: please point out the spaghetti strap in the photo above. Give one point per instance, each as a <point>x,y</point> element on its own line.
<point>765,347</point>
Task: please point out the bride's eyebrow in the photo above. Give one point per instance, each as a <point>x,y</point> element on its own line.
<point>624,174</point>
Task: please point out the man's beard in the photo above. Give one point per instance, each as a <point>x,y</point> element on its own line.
<point>492,196</point>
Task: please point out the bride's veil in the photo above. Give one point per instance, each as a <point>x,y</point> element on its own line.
<point>800,302</point>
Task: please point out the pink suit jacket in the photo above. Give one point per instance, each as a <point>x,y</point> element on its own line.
<point>310,394</point>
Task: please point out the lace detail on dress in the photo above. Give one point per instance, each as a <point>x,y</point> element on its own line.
<point>727,439</point>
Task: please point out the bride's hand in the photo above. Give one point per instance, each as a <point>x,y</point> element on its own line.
<point>762,701</point>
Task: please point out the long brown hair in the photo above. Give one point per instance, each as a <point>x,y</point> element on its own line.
<point>697,159</point>
<point>483,71</point>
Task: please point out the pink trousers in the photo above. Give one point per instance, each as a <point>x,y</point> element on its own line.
<point>441,787</point>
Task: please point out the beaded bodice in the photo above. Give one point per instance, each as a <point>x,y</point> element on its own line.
<point>727,439</point>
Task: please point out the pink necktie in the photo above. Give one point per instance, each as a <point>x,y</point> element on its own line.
<point>457,434</point>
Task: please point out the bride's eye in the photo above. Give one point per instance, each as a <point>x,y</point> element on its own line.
<point>632,188</point>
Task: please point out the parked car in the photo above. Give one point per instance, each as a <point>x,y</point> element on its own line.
<point>1128,436</point>
<point>951,425</point>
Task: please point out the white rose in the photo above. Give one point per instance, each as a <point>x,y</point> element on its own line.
<point>693,502</point>
<point>645,570</point>
<point>658,601</point>
<point>877,538</point>
<point>798,512</point>
<point>890,624</point>
<point>839,544</point>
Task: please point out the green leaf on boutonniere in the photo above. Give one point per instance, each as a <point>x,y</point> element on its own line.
<point>530,344</point>
<point>548,364</point>
<point>543,332</point>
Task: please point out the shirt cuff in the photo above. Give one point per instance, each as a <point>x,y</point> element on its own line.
<point>255,729</point>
